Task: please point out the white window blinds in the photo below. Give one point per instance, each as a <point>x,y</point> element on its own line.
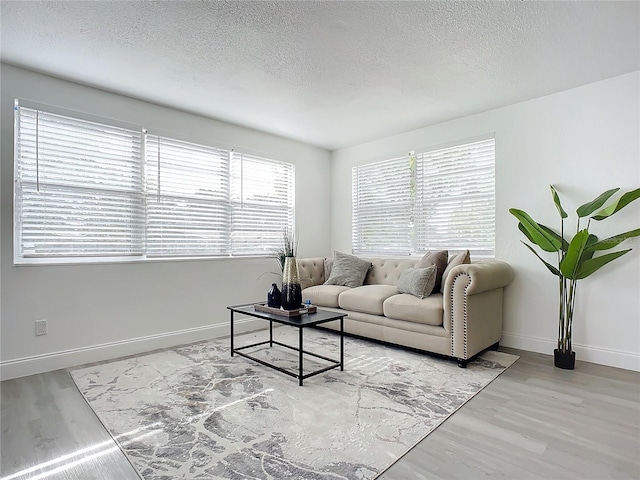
<point>78,187</point>
<point>262,199</point>
<point>456,198</point>
<point>88,190</point>
<point>187,194</point>
<point>382,207</point>
<point>437,200</point>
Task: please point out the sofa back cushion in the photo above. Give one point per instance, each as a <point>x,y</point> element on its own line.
<point>311,271</point>
<point>386,271</point>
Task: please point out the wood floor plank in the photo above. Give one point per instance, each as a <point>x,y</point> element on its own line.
<point>48,431</point>
<point>533,422</point>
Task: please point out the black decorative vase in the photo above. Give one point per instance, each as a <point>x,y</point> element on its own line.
<point>565,360</point>
<point>291,297</point>
<point>273,297</point>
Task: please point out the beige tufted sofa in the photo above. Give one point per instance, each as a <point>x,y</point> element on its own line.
<point>460,323</point>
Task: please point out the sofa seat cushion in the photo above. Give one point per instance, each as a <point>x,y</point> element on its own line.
<point>323,295</point>
<point>403,306</point>
<point>366,299</point>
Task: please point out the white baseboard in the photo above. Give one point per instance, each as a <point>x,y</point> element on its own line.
<point>587,353</point>
<point>78,356</point>
<point>47,362</point>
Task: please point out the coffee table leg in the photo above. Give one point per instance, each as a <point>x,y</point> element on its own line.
<point>300,345</point>
<point>342,343</point>
<point>271,333</point>
<point>231,332</point>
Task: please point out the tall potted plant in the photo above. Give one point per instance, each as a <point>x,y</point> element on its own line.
<point>291,295</point>
<point>288,248</point>
<point>577,257</point>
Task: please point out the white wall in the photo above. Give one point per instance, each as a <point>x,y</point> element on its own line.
<point>583,141</point>
<point>101,311</point>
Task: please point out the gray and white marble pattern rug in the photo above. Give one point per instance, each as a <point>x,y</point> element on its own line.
<point>194,412</point>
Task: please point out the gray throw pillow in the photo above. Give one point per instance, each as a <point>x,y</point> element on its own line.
<point>348,270</point>
<point>439,259</point>
<point>459,259</point>
<point>417,281</point>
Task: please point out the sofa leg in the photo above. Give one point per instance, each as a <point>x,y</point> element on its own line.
<point>462,363</point>
<point>495,346</point>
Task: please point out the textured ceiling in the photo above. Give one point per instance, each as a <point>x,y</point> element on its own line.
<point>330,74</point>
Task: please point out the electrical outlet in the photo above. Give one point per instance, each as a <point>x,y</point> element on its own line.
<point>41,327</point>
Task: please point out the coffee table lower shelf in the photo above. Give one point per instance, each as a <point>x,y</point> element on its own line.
<point>299,375</point>
<point>307,320</point>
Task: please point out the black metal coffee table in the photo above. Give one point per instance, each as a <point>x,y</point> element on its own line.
<point>301,322</point>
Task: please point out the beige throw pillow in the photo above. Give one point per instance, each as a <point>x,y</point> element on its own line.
<point>459,259</point>
<point>417,281</point>
<point>328,265</point>
<point>348,270</point>
<point>439,259</point>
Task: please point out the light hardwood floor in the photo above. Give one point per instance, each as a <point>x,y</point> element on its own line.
<point>534,421</point>
<point>537,421</point>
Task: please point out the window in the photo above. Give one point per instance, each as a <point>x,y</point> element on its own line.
<point>78,188</point>
<point>382,208</point>
<point>437,200</point>
<point>261,203</point>
<point>187,187</point>
<point>92,190</point>
<point>456,198</point>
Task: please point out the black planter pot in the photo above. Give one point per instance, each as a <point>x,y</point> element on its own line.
<point>565,360</point>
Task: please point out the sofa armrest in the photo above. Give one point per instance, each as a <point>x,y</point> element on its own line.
<point>472,299</point>
<point>482,276</point>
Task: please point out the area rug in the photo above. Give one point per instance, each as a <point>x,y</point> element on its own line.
<point>194,412</point>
